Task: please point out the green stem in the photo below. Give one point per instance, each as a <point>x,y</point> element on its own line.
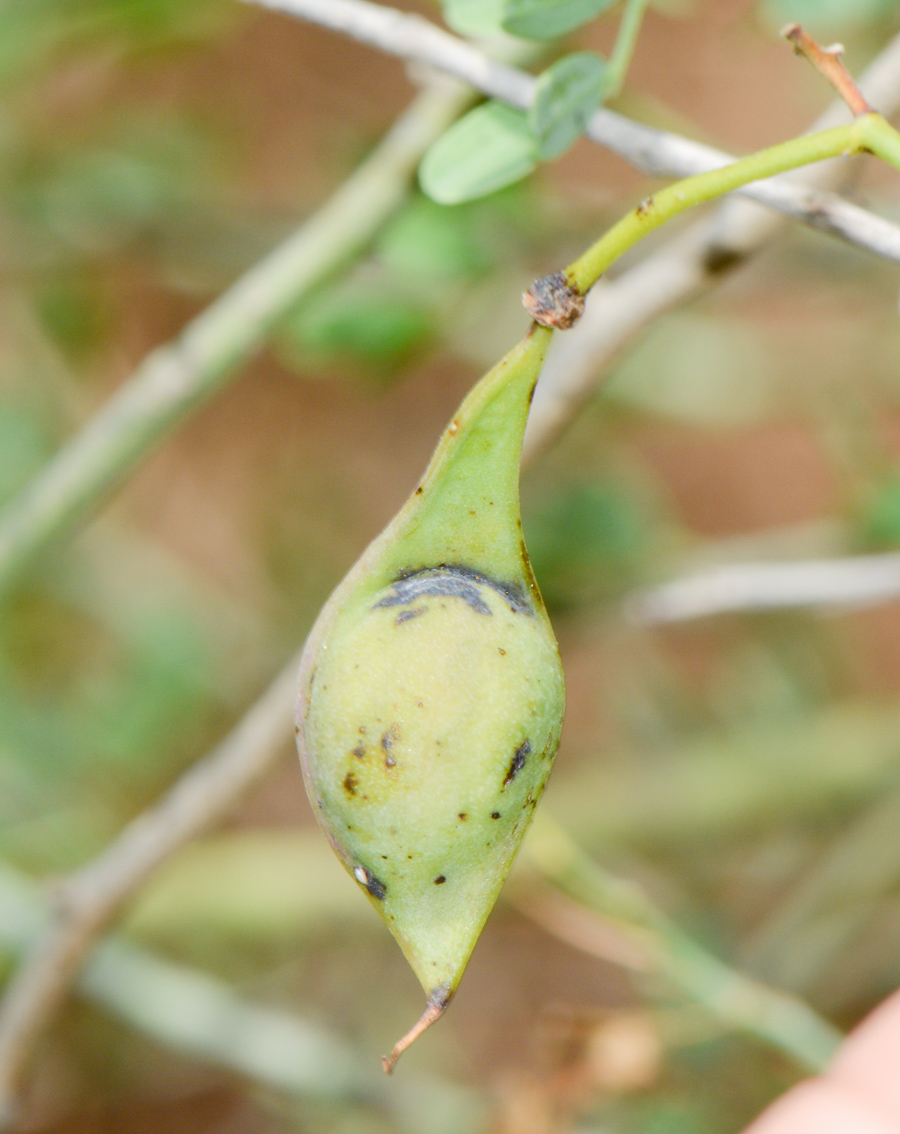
<point>881,138</point>
<point>860,135</point>
<point>623,49</point>
<point>781,1020</point>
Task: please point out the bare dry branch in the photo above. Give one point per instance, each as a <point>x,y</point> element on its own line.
<point>860,580</point>
<point>89,899</point>
<point>828,62</point>
<point>654,152</point>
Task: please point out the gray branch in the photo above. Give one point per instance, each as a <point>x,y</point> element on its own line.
<point>861,580</point>
<point>654,152</point>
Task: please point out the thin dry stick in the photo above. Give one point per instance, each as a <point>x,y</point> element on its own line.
<point>858,580</point>
<point>654,152</point>
<point>195,1013</point>
<point>88,900</point>
<point>729,995</point>
<point>803,938</point>
<point>828,62</point>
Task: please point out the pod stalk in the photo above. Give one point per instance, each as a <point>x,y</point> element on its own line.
<point>434,1009</point>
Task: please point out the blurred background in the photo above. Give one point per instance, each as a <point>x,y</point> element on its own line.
<point>745,769</point>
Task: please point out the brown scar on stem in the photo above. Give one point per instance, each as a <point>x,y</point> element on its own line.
<point>553,302</point>
<point>645,206</point>
<point>434,1009</point>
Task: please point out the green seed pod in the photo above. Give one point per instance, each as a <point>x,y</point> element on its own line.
<point>431,692</point>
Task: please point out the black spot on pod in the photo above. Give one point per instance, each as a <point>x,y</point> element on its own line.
<point>518,761</point>
<point>374,885</point>
<point>440,880</point>
<point>350,783</point>
<point>494,815</point>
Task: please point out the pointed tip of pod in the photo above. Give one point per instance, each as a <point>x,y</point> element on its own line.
<point>438,1000</point>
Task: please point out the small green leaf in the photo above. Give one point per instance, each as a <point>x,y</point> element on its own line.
<point>479,18</point>
<point>489,148</point>
<point>567,95</point>
<point>546,19</point>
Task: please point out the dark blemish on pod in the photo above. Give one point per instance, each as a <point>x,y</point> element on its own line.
<point>359,752</point>
<point>463,816</point>
<point>350,783</point>
<point>517,763</point>
<point>296,728</point>
<point>374,885</point>
<point>531,393</point>
<point>494,815</point>
<point>420,490</point>
<point>455,581</point>
<point>408,615</point>
<point>440,880</point>
<point>501,651</point>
